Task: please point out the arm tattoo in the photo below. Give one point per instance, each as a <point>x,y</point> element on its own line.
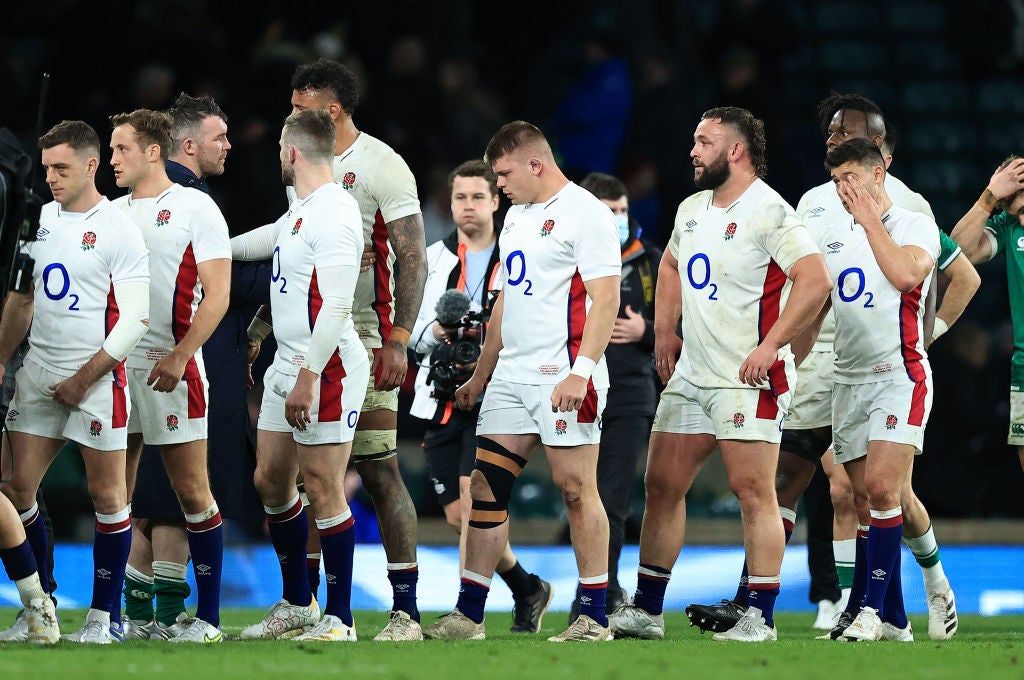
<point>406,236</point>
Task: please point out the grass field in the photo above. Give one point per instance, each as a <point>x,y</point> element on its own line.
<point>985,647</point>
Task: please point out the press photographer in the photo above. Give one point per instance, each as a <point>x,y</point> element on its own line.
<point>461,269</point>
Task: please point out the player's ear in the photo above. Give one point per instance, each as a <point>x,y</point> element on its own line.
<point>536,165</point>
<point>334,108</point>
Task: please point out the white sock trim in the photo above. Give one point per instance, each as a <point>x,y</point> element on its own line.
<point>845,552</point>
<point>204,515</point>
<point>788,514</point>
<point>169,570</point>
<point>476,578</point>
<point>594,580</point>
<point>405,566</point>
<point>29,514</point>
<point>132,572</point>
<point>770,580</point>
<point>887,514</point>
<point>115,518</point>
<point>281,508</point>
<point>334,521</point>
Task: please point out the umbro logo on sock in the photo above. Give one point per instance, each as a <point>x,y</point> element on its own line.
<point>878,573</point>
<point>203,569</point>
<point>331,579</point>
<point>103,574</point>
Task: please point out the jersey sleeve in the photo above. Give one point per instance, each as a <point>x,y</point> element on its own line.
<point>785,239</point>
<point>998,224</point>
<point>596,249</point>
<point>210,238</point>
<point>396,189</point>
<point>915,202</point>
<point>923,233</point>
<point>128,258</point>
<point>948,251</point>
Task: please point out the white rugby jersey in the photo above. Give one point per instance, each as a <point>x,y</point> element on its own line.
<point>733,266</point>
<point>78,259</point>
<point>322,230</point>
<point>547,251</point>
<point>182,227</point>
<point>879,331</point>
<point>385,189</point>
<point>821,206</point>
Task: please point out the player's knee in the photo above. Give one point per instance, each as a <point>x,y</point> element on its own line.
<point>19,493</point>
<point>571,487</point>
<point>658,489</point>
<point>381,476</point>
<point>491,482</point>
<point>453,515</point>
<point>107,498</point>
<point>883,494</point>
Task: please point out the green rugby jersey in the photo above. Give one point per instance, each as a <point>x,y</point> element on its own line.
<point>1010,239</point>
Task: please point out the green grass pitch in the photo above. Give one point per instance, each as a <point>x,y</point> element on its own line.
<point>985,647</point>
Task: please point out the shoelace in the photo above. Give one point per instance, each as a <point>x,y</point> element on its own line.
<point>93,628</point>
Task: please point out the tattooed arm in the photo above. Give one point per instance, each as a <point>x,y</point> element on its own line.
<point>407,241</point>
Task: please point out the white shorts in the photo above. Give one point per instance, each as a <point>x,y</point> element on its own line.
<point>515,408</point>
<point>167,417</point>
<point>335,410</point>
<point>891,411</point>
<point>1016,434</point>
<point>727,413</point>
<point>99,422</point>
<point>811,407</point>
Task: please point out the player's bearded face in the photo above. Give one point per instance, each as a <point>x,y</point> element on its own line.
<point>711,174</point>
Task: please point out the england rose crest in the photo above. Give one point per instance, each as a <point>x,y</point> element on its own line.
<point>737,420</point>
<point>547,228</point>
<point>730,231</point>
<point>89,242</point>
<point>561,426</point>
<point>349,180</point>
<point>891,421</point>
<point>172,423</point>
<point>298,225</point>
<point>163,217</point>
<point>95,428</point>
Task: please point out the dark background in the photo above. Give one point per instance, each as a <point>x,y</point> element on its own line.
<point>618,87</point>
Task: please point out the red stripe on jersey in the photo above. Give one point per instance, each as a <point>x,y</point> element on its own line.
<point>916,416</point>
<point>112,314</point>
<point>910,305</point>
<point>181,306</point>
<point>778,384</point>
<point>314,302</point>
<point>196,397</point>
<point>767,405</point>
<point>381,277</point>
<point>576,316</point>
<point>887,522</point>
<point>119,404</point>
<point>330,390</point>
<point>588,409</point>
<point>771,299</point>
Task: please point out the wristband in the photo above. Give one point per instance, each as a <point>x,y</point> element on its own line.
<point>938,328</point>
<point>399,334</point>
<point>583,367</point>
<point>259,330</point>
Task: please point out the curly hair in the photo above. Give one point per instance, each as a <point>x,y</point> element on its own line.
<point>752,130</point>
<point>327,74</point>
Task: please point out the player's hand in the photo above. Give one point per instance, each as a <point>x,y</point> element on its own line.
<point>754,371</point>
<point>167,372</point>
<point>441,333</point>
<point>369,258</point>
<point>630,329</point>
<point>250,358</point>
<point>1007,181</point>
<point>467,395</point>
<point>857,200</point>
<point>389,366</point>
<point>569,394</point>
<point>69,392</point>
<point>667,348</point>
<point>300,400</point>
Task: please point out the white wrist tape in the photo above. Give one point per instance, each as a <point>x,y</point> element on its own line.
<point>583,367</point>
<point>938,328</point>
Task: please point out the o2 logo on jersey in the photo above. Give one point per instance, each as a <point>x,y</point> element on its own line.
<point>88,240</point>
<point>844,291</point>
<point>50,286</point>
<point>163,217</point>
<point>275,267</point>
<point>353,418</point>
<point>349,180</point>
<point>547,228</point>
<point>705,281</point>
<point>520,276</point>
<point>297,226</point>
<point>730,231</point>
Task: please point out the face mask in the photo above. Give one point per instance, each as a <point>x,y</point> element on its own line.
<point>623,222</point>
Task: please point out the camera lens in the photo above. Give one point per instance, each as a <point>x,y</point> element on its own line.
<point>466,352</point>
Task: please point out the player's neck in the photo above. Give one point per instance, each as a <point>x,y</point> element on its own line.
<point>481,240</point>
<point>84,203</point>
<point>153,185</point>
<point>732,189</point>
<point>884,202</point>
<point>308,182</point>
<point>550,187</point>
<point>345,136</point>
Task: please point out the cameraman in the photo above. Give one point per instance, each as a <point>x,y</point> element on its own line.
<point>466,260</point>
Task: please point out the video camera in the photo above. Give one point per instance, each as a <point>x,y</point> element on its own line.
<point>451,362</point>
<point>19,214</point>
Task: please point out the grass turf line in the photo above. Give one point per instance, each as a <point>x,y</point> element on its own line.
<point>984,647</point>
